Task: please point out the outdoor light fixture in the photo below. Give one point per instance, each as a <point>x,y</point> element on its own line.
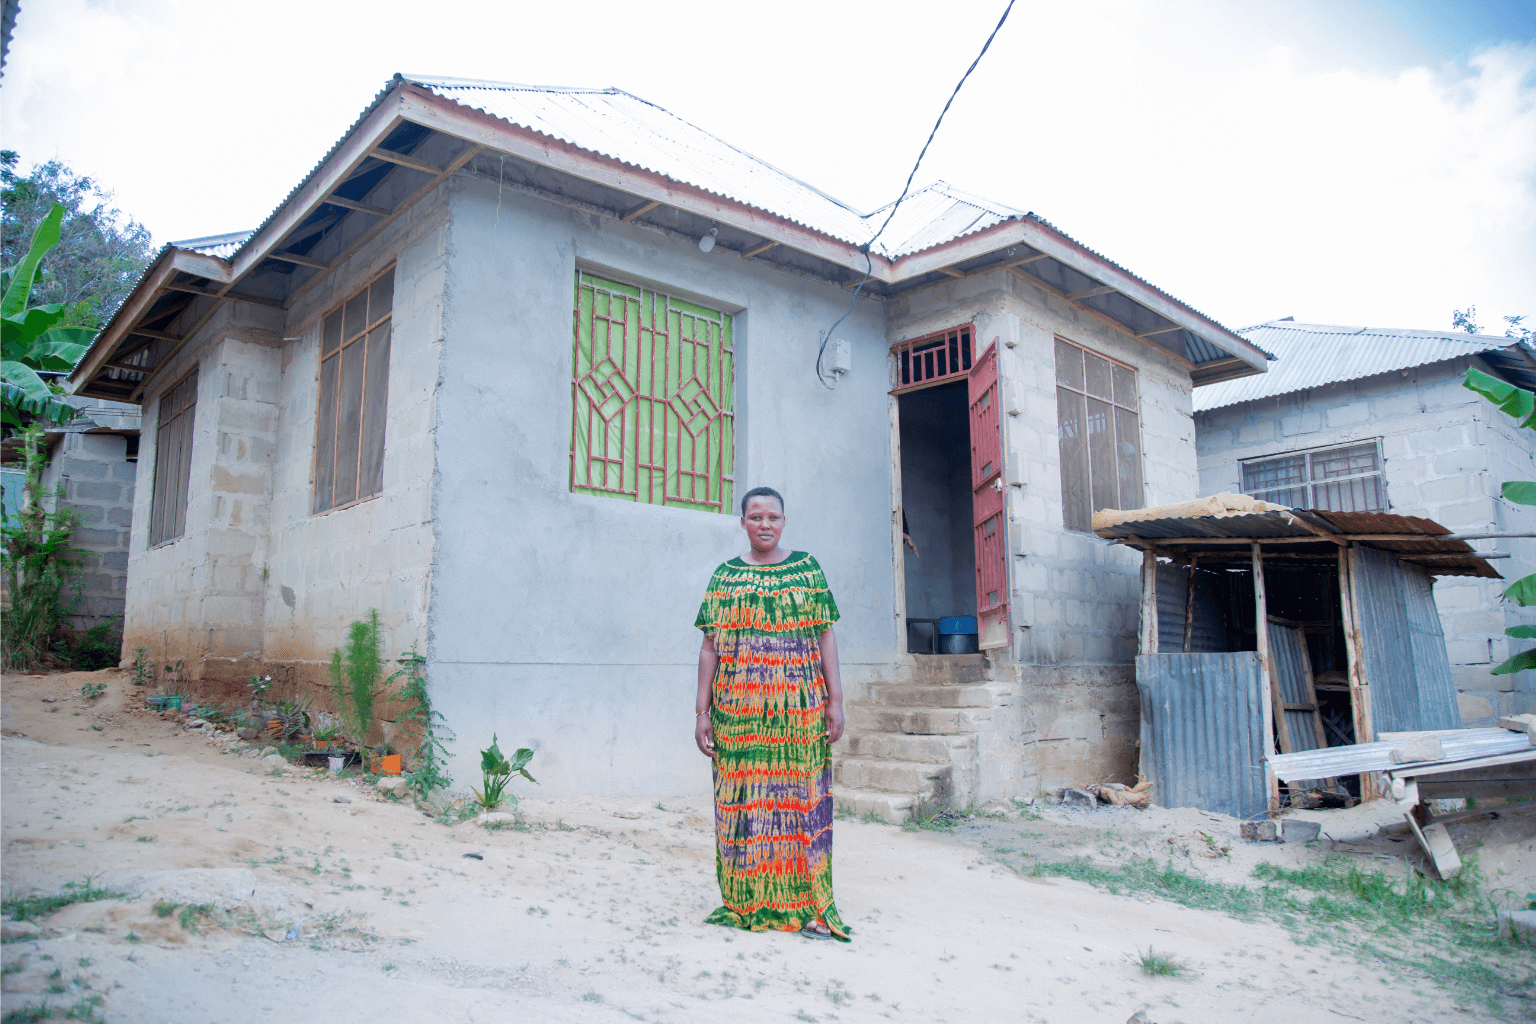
<point>708,241</point>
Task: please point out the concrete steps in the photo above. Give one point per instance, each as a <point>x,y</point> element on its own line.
<point>912,742</point>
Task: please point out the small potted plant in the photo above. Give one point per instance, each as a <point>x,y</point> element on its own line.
<point>386,761</point>
<point>326,729</point>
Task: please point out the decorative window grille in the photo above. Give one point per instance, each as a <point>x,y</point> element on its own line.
<point>653,385</point>
<point>1344,479</point>
<point>173,461</point>
<point>1099,433</point>
<point>931,359</point>
<point>354,395</point>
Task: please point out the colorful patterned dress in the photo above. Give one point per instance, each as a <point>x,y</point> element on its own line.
<point>773,765</point>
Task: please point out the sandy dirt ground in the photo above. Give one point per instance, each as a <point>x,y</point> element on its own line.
<point>320,899</point>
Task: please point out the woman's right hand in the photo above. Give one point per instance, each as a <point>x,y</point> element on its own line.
<point>704,735</point>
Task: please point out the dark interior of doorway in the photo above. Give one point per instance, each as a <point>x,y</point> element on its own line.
<point>936,501</point>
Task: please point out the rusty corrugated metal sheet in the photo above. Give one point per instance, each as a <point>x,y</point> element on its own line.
<point>1312,355</point>
<point>1406,665</point>
<point>1202,731</point>
<point>1432,666</point>
<point>1287,676</point>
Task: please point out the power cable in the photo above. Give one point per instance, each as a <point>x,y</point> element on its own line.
<point>869,264</point>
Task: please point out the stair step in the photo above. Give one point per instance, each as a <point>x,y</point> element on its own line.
<point>919,778</point>
<point>872,718</point>
<point>892,807</point>
<point>947,669</point>
<point>954,695</point>
<point>901,747</point>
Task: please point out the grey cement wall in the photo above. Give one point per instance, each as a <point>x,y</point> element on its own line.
<point>1073,715</point>
<point>256,583</point>
<point>1446,453</point>
<point>98,482</point>
<point>565,622</point>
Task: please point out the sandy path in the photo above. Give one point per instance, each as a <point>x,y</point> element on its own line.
<point>587,917</point>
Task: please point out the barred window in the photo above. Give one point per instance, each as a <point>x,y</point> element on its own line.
<point>1343,479</point>
<point>173,461</point>
<point>1099,433</point>
<point>652,397</point>
<point>354,395</point>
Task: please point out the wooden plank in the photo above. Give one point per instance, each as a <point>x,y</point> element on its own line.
<point>1310,688</point>
<point>1189,603</point>
<point>129,367</point>
<point>1270,696</point>
<point>1088,293</point>
<point>404,160</point>
<point>951,271</point>
<point>1147,642</point>
<point>1159,330</point>
<point>1354,648</point>
<point>758,250</point>
<point>353,204</point>
<point>1301,707</point>
<point>255,300</point>
<point>145,332</point>
<point>311,229</point>
<point>1168,542</point>
<point>303,261</point>
<point>637,211</point>
<point>1520,723</point>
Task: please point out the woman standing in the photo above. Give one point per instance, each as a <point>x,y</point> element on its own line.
<point>770,704</point>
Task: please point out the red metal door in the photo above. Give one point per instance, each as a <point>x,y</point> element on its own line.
<point>987,501</point>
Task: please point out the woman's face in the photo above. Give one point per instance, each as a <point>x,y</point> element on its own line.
<point>764,523</point>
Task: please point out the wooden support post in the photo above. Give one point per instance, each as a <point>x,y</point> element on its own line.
<point>1354,650</point>
<point>1189,604</point>
<point>1266,685</point>
<point>1148,639</point>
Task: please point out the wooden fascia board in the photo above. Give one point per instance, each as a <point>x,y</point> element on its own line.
<point>132,310</point>
<point>1063,250</point>
<point>202,265</point>
<point>420,106</point>
<point>356,148</point>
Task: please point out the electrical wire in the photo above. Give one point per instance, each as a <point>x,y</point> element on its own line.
<point>869,264</point>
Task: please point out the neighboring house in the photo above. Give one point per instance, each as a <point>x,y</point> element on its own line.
<point>93,459</point>
<point>501,366</point>
<point>1360,419</point>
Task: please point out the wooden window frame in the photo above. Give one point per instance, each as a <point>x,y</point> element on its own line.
<point>1310,483</point>
<point>170,490</point>
<point>645,426</point>
<point>372,386</point>
<point>1114,402</point>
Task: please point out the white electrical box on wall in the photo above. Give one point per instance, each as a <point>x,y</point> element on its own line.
<point>839,358</point>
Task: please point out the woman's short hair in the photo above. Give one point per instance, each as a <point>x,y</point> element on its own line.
<point>761,492</point>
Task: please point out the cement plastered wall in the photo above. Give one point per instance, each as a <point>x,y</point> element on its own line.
<point>1446,452</point>
<point>1075,597</point>
<point>565,622</point>
<point>256,583</point>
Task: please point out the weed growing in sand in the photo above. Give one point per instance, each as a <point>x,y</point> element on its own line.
<point>85,1010</point>
<point>592,997</point>
<point>932,821</point>
<point>10,969</point>
<point>27,908</point>
<point>1159,965</point>
<point>143,671</point>
<point>144,839</point>
<point>90,691</point>
<point>1445,930</point>
<point>132,936</point>
<point>29,1014</point>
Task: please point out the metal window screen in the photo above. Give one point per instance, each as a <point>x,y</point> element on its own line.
<point>931,359</point>
<point>1348,479</point>
<point>173,461</point>
<point>652,397</point>
<point>354,396</point>
<point>1098,434</point>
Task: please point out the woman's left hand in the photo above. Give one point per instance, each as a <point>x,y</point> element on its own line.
<point>834,721</point>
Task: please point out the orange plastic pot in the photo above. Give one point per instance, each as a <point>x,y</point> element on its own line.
<point>387,764</point>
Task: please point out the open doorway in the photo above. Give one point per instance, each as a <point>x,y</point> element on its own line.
<point>936,503</point>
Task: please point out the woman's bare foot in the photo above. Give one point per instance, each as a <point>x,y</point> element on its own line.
<point>815,930</point>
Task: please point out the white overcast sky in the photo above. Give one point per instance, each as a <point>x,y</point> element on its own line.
<point>1340,161</point>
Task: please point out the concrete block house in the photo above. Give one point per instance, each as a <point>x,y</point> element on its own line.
<point>502,364</point>
<point>1362,419</point>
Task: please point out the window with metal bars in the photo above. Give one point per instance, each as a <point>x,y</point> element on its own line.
<point>931,359</point>
<point>1099,434</point>
<point>1348,478</point>
<point>652,397</point>
<point>173,461</point>
<point>354,395</point>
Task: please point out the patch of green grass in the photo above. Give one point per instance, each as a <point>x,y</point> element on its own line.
<point>144,839</point>
<point>28,908</point>
<point>165,908</point>
<point>28,1014</point>
<point>132,936</point>
<point>1159,965</point>
<point>191,914</point>
<point>592,997</point>
<point>10,969</point>
<point>85,1010</point>
<point>924,820</point>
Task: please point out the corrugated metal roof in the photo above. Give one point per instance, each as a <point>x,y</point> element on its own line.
<point>1458,745</point>
<point>1311,355</point>
<point>222,246</point>
<point>934,215</point>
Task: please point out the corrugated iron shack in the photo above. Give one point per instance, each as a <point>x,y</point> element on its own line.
<point>1267,630</point>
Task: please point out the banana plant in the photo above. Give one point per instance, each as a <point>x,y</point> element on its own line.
<point>30,340</point>
<point>1520,404</point>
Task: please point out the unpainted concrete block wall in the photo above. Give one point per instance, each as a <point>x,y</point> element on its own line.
<point>1446,453</point>
<point>1075,597</point>
<point>256,583</point>
<point>98,482</point>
